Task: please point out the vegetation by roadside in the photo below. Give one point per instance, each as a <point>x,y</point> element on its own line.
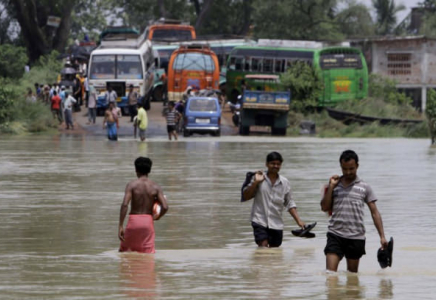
<point>384,101</point>
<point>17,116</point>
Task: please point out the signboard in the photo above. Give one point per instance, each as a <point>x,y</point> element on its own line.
<point>53,21</point>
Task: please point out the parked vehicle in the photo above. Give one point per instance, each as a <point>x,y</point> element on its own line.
<point>202,115</point>
<point>121,60</point>
<point>264,103</point>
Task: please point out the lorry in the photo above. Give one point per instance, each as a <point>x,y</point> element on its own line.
<point>265,103</point>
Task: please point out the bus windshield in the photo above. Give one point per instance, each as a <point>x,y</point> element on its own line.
<point>116,67</point>
<point>194,62</point>
<point>336,61</point>
<point>172,34</point>
<point>129,67</point>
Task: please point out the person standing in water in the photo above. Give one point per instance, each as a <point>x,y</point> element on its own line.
<point>345,198</point>
<point>141,193</point>
<point>272,193</point>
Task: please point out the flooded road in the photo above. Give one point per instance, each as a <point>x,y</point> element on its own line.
<point>60,199</point>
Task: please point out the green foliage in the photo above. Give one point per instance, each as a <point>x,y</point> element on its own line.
<point>385,88</point>
<point>386,11</point>
<point>297,19</point>
<point>18,116</point>
<point>430,111</point>
<point>327,127</point>
<point>12,61</point>
<point>6,101</point>
<point>140,13</point>
<point>355,20</point>
<point>305,85</point>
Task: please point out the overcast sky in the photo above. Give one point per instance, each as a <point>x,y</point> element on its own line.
<point>401,15</point>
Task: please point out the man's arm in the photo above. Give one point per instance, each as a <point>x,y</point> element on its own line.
<point>251,190</point>
<point>163,202</point>
<point>123,211</point>
<point>326,202</point>
<point>376,217</point>
<point>294,214</point>
<point>105,118</point>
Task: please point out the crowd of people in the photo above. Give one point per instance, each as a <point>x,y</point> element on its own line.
<point>63,102</point>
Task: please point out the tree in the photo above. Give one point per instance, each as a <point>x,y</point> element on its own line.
<point>231,17</point>
<point>38,36</point>
<point>296,19</point>
<point>355,20</point>
<point>386,11</point>
<point>12,61</point>
<point>305,85</point>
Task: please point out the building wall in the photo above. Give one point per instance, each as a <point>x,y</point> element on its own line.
<point>400,60</point>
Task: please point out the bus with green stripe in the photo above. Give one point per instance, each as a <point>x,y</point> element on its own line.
<point>343,70</point>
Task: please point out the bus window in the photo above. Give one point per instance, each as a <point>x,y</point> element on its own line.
<point>171,34</point>
<point>102,67</point>
<point>129,67</point>
<point>238,63</point>
<point>279,66</point>
<point>256,66</point>
<point>194,62</point>
<point>247,64</point>
<point>267,65</point>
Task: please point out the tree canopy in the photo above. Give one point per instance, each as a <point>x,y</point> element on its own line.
<point>276,19</point>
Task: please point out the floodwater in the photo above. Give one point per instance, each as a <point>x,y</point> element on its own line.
<point>60,199</point>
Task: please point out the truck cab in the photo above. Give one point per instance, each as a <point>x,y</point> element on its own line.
<point>265,103</point>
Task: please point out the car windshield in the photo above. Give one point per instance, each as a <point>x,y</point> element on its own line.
<point>202,105</point>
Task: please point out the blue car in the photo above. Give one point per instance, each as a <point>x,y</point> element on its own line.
<point>202,115</point>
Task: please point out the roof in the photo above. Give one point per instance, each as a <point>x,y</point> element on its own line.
<point>391,38</point>
<point>262,76</point>
<point>115,51</point>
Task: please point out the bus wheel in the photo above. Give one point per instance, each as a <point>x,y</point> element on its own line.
<point>158,94</point>
<point>244,130</point>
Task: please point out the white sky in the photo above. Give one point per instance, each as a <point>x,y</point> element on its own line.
<point>401,15</point>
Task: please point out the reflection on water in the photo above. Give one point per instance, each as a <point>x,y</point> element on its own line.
<point>60,200</point>
<point>137,275</point>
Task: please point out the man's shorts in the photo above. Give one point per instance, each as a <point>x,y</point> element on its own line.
<point>351,249</point>
<point>171,128</point>
<point>142,133</point>
<point>261,233</point>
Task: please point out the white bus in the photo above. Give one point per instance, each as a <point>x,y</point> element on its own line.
<point>121,60</point>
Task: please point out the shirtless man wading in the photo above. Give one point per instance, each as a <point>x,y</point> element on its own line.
<point>142,192</point>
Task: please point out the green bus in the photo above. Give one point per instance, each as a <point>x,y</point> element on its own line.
<point>342,69</point>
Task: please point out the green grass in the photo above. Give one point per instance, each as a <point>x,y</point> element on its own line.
<point>328,127</point>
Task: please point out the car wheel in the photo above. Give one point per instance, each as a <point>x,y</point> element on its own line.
<point>186,133</point>
<point>125,111</point>
<point>217,133</point>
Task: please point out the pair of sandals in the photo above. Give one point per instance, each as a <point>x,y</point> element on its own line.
<point>384,256</point>
<point>305,231</point>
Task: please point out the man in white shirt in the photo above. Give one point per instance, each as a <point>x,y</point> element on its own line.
<point>111,96</point>
<point>272,194</point>
<point>68,110</point>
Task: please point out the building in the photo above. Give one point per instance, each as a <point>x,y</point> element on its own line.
<point>409,60</point>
